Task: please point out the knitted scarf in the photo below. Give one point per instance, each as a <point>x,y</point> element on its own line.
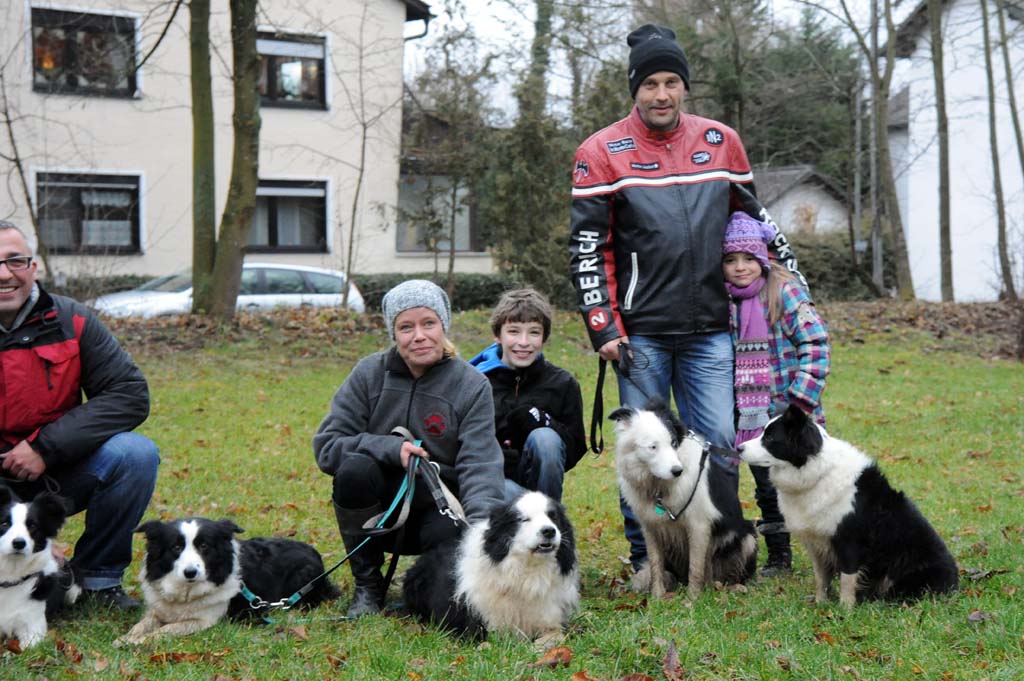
<point>753,379</point>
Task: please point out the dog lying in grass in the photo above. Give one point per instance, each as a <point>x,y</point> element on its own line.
<point>194,570</point>
<point>849,519</point>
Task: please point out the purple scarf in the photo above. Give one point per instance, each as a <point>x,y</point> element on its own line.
<point>753,381</point>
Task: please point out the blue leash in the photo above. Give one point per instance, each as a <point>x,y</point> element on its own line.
<point>405,491</point>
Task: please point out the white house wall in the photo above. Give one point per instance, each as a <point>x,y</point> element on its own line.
<point>808,208</point>
<point>151,134</point>
<point>976,274</point>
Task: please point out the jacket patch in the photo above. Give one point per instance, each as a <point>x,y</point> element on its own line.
<point>714,136</point>
<point>582,170</point>
<point>653,165</point>
<point>701,157</point>
<point>598,319</point>
<point>619,146</point>
<point>435,425</point>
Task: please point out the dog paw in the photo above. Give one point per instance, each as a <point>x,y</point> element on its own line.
<point>547,640</point>
<point>641,580</point>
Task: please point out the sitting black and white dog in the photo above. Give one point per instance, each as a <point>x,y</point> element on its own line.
<point>194,571</point>
<point>514,572</point>
<point>690,513</point>
<point>849,519</point>
<point>33,585</point>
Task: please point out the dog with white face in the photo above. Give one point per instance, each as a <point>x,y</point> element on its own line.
<point>514,572</point>
<point>687,506</point>
<point>194,570</point>
<point>849,519</point>
<point>33,584</point>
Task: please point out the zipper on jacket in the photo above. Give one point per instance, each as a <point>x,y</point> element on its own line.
<point>627,303</point>
<point>47,364</point>
<point>515,391</point>
<point>408,409</point>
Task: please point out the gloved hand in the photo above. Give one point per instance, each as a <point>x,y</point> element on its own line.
<point>524,420</point>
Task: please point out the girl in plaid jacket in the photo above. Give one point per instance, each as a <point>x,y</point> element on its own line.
<point>782,357</point>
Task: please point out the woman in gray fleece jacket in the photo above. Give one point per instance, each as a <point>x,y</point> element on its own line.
<point>446,404</point>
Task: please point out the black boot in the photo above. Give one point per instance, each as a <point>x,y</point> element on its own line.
<point>368,594</point>
<point>780,556</point>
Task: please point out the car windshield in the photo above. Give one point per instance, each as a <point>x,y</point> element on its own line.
<point>170,283</point>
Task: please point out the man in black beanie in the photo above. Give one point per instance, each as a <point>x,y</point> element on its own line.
<point>651,197</point>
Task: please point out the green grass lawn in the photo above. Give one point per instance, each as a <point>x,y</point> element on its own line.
<point>234,425</point>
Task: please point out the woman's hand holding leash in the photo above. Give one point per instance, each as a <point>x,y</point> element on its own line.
<point>411,449</point>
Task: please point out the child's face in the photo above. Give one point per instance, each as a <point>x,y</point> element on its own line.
<point>740,269</point>
<point>520,342</point>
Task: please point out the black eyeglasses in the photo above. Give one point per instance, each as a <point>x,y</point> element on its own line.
<point>17,263</point>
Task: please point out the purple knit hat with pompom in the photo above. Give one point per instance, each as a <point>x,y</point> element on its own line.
<point>744,234</point>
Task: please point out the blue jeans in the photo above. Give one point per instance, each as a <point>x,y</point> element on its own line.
<point>697,370</point>
<point>541,465</point>
<point>113,486</point>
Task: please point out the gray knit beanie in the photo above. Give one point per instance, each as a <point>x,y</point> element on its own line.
<point>416,293</point>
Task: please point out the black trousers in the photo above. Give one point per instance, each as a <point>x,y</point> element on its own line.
<point>362,482</point>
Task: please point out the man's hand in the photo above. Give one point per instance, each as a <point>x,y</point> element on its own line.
<point>23,462</point>
<point>409,449</point>
<point>610,350</point>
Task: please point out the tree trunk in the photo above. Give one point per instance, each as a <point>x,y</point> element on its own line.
<point>204,219</point>
<point>1014,115</point>
<point>241,202</point>
<point>904,283</point>
<point>945,244</point>
<point>450,285</point>
<point>1005,266</point>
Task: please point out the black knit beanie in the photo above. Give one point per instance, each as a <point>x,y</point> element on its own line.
<point>653,49</point>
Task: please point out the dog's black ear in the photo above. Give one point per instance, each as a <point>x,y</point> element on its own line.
<point>623,415</point>
<point>6,495</point>
<point>566,554</point>
<point>150,528</point>
<point>501,530</point>
<point>794,417</point>
<point>52,510</point>
<point>230,526</point>
<point>655,404</point>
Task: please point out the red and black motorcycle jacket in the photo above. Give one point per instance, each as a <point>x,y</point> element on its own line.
<point>60,353</point>
<point>649,210</point>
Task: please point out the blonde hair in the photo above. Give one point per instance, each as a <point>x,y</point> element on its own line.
<point>777,276</point>
<point>449,348</point>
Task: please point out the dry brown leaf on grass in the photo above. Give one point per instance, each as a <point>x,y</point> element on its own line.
<point>559,656</point>
<point>636,677</point>
<point>671,666</point>
<point>299,632</point>
<point>583,676</point>
<point>13,645</point>
<point>824,637</point>
<point>73,654</point>
<point>101,662</point>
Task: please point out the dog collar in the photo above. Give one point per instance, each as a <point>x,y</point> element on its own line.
<point>7,585</point>
<point>659,506</point>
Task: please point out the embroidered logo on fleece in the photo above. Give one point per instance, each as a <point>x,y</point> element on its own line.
<point>598,319</point>
<point>653,165</point>
<point>619,146</point>
<point>435,425</point>
<point>701,157</point>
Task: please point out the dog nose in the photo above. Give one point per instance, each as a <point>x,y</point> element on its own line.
<point>677,471</point>
<point>190,573</point>
<point>548,532</point>
<point>18,544</point>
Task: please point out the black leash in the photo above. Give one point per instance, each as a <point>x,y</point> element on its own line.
<point>626,361</point>
<point>661,509</point>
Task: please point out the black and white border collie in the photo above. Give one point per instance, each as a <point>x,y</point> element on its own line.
<point>691,518</point>
<point>514,572</point>
<point>195,568</point>
<point>33,585</point>
<point>847,516</point>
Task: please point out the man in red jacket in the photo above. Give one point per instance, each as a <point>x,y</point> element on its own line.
<point>53,351</point>
<point>651,198</point>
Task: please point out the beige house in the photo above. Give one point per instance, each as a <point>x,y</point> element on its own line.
<point>102,125</point>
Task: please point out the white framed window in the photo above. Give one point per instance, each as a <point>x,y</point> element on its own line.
<point>83,53</point>
<point>88,213</point>
<point>291,216</point>
<point>292,70</point>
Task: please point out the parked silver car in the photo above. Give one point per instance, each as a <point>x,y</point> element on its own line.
<point>264,285</point>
